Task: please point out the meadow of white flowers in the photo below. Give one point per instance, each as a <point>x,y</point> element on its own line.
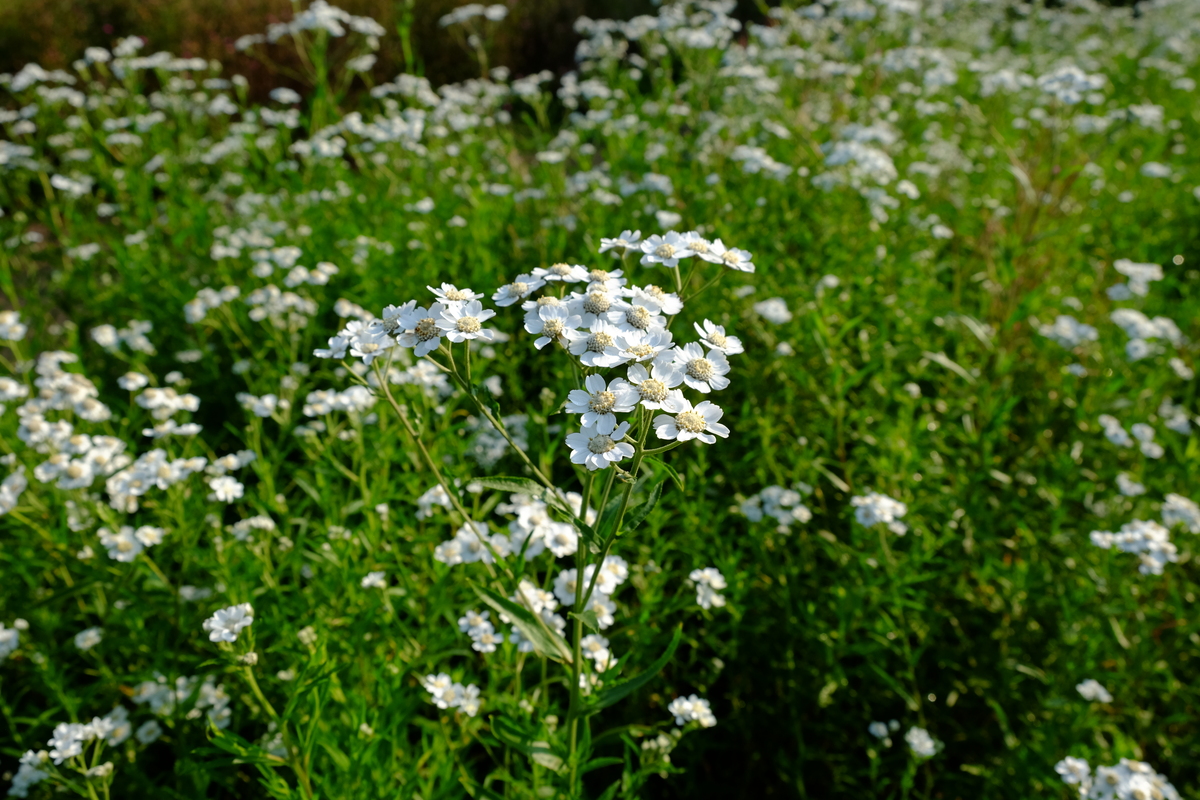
<point>800,407</point>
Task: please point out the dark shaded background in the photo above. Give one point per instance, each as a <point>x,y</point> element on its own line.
<point>538,34</point>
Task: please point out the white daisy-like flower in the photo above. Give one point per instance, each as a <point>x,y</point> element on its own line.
<point>567,273</point>
<point>702,372</point>
<point>654,386</point>
<point>597,305</point>
<point>337,348</point>
<point>643,346</point>
<point>392,317</point>
<point>713,336</point>
<point>668,302</point>
<point>685,422</point>
<point>597,450</point>
<point>665,250</point>
<point>553,323</point>
<point>642,314</point>
<point>421,330</point>
<point>697,243</point>
<point>449,294</point>
<point>600,402</point>
<point>731,257</point>
<point>597,348</point>
<point>463,321</point>
<point>518,290</point>
<point>533,306</point>
<point>375,580</point>
<point>606,280</point>
<point>226,623</point>
<point>627,240</point>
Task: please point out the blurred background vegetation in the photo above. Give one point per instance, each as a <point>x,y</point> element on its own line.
<point>538,34</point>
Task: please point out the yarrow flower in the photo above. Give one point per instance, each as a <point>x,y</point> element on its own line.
<point>225,624</point>
<point>601,401</point>
<point>876,509</point>
<point>922,744</point>
<point>598,450</point>
<point>1091,689</point>
<point>692,709</point>
<point>709,582</point>
<point>684,422</point>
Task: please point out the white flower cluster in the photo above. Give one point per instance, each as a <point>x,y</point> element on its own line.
<point>225,624</point>
<point>127,543</point>
<point>782,505</point>
<point>11,327</point>
<point>1092,689</point>
<point>692,709</point>
<point>1147,539</point>
<point>879,509</point>
<point>1069,332</point>
<point>445,693</point>
<point>1127,779</point>
<point>163,698</point>
<point>534,530</point>
<point>319,16</point>
<point>1141,330</point>
<point>1179,510</point>
<point>484,637</point>
<point>11,489</point>
<point>1140,276</point>
<point>10,638</point>
<point>709,582</point>
<point>150,470</point>
<point>493,13</point>
<point>1143,433</point>
<point>68,741</point>
<point>922,744</point>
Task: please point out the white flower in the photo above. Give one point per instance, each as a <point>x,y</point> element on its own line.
<point>665,250</point>
<point>654,386</point>
<point>709,582</point>
<point>1179,510</point>
<point>878,729</point>
<point>597,348</point>
<point>595,647</point>
<point>627,240</point>
<point>225,624</point>
<point>774,310</point>
<point>518,290</point>
<point>875,508</point>
<point>225,489</point>
<point>668,302</point>
<point>685,422</point>
<point>149,732</point>
<point>553,323</point>
<point>1091,689</point>
<point>1074,771</point>
<point>463,321</point>
<point>567,273</point>
<point>87,639</point>
<point>638,345</point>
<point>421,329</point>
<point>692,708</point>
<point>132,381</point>
<point>601,402</point>
<point>449,294</point>
<point>731,257</point>
<point>702,372</point>
<point>922,744</point>
<point>713,336</point>
<point>337,348</point>
<point>597,305</point>
<point>375,580</point>
<point>597,450</point>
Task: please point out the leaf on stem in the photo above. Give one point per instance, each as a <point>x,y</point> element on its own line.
<point>658,464</point>
<point>638,515</point>
<point>615,692</point>
<point>545,641</point>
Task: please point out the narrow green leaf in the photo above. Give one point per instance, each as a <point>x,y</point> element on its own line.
<point>515,485</point>
<point>545,641</point>
<point>615,692</point>
<point>588,618</point>
<point>639,514</point>
<point>658,463</point>
<point>597,763</point>
<point>339,758</point>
